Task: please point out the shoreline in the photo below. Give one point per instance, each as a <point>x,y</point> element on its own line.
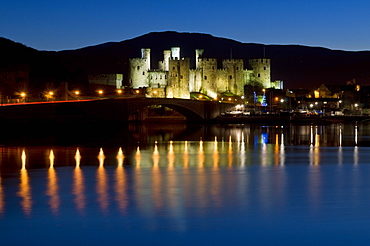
<point>273,119</point>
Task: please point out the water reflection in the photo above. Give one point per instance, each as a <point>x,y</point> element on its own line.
<point>153,172</point>
<point>121,184</point>
<point>102,184</point>
<point>53,189</point>
<point>25,188</point>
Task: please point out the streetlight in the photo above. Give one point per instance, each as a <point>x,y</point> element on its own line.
<point>77,93</point>
<point>23,95</point>
<point>49,95</point>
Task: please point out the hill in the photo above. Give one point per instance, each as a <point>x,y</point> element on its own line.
<point>298,66</point>
<point>43,67</point>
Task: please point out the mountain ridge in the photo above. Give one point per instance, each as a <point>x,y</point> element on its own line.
<point>298,66</point>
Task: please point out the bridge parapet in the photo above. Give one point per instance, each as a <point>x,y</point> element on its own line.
<point>112,109</point>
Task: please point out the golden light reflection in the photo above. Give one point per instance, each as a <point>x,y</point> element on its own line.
<point>201,154</point>
<point>138,157</point>
<point>23,158</point>
<point>157,195</point>
<point>53,189</point>
<point>277,150</point>
<point>216,156</point>
<point>356,134</point>
<point>155,155</point>
<point>317,137</point>
<point>230,152</point>
<point>101,157</point>
<point>215,146</point>
<point>102,188</point>
<point>314,156</point>
<point>121,187</point>
<point>51,158</point>
<point>186,154</point>
<point>171,155</point>
<point>78,158</point>
<point>120,157</point>
<point>24,188</point>
<point>78,185</point>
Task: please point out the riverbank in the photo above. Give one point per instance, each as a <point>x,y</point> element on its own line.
<point>296,119</point>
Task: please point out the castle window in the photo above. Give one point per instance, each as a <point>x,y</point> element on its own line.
<point>138,67</point>
<point>173,68</point>
<point>230,77</point>
<point>160,77</point>
<point>259,75</point>
<point>264,68</point>
<point>181,76</point>
<point>213,68</point>
<point>205,77</point>
<point>165,77</point>
<point>237,68</point>
<point>143,73</point>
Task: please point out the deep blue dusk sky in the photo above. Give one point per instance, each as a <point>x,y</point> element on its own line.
<point>67,24</point>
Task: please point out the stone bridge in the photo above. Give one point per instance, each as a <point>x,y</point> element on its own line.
<point>112,109</point>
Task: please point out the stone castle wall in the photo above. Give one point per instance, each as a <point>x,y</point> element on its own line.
<point>261,71</point>
<point>174,74</point>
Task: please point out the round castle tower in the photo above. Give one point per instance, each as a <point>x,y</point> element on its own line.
<point>261,71</point>
<point>198,54</point>
<point>139,68</point>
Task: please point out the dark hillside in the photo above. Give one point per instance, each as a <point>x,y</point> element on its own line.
<point>298,66</point>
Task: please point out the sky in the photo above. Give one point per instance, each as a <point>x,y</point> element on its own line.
<point>71,24</point>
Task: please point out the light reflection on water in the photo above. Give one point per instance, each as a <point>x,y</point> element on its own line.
<point>236,183</point>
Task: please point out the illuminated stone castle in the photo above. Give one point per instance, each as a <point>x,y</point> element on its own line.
<point>175,79</point>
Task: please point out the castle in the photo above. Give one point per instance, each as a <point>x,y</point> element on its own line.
<point>175,79</point>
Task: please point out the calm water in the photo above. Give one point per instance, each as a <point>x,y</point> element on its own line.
<point>182,185</point>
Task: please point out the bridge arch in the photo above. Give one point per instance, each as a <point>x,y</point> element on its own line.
<point>192,111</point>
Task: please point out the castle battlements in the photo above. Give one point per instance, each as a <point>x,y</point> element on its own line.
<point>175,74</point>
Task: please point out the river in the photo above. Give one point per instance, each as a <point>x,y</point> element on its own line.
<point>186,184</point>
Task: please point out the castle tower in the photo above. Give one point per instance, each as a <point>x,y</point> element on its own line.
<point>208,67</point>
<point>166,58</point>
<point>261,71</point>
<point>145,54</point>
<point>198,54</point>
<point>178,81</point>
<point>139,68</point>
<point>234,75</point>
<point>175,52</point>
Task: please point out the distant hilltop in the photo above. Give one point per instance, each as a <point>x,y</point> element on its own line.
<point>298,66</point>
